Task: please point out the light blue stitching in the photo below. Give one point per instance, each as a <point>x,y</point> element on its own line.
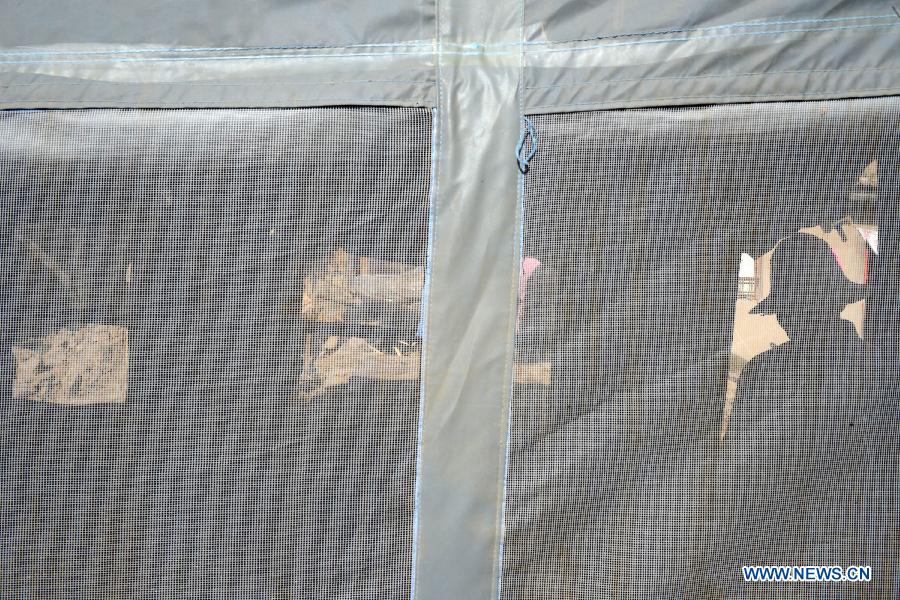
<point>197,58</point>
<point>692,77</point>
<point>795,21</point>
<point>510,363</point>
<point>714,27</point>
<point>774,97</point>
<point>424,313</point>
<point>208,84</point>
<point>481,48</point>
<point>700,37</point>
<point>437,145</point>
<point>214,49</point>
<point>316,102</point>
<point>421,44</point>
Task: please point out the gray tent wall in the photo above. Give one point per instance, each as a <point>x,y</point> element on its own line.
<point>481,66</point>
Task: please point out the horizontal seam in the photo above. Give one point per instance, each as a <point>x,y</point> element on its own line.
<point>203,58</point>
<point>701,37</point>
<point>424,44</point>
<point>180,50</point>
<point>101,102</point>
<point>694,77</point>
<point>713,27</point>
<point>711,96</point>
<point>208,84</point>
<point>476,49</point>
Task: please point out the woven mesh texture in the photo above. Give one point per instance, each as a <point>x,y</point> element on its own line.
<point>677,427</point>
<point>209,353</point>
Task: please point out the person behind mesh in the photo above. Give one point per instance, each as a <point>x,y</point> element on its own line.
<point>807,457</point>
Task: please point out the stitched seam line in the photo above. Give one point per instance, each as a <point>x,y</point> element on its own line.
<point>624,103</point>
<point>179,50</point>
<point>695,77</point>
<point>715,27</point>
<point>723,35</point>
<point>209,84</point>
<point>476,49</point>
<point>509,359</point>
<point>208,58</point>
<point>434,199</point>
<point>421,44</point>
<point>294,102</point>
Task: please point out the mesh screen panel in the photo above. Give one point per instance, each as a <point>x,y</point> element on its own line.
<point>707,303</point>
<point>209,351</point>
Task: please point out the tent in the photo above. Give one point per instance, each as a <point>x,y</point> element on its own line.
<point>409,299</point>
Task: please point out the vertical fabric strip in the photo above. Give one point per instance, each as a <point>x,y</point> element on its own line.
<point>471,309</point>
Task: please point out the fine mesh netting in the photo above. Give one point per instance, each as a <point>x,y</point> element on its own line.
<point>705,295</point>
<point>210,358</point>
